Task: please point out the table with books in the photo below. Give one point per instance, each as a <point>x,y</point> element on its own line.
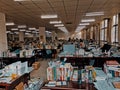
<point>68,77</point>
<point>14,74</point>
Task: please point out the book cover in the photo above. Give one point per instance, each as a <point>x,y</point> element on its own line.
<point>116,85</point>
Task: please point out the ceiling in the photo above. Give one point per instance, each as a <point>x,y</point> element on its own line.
<point>70,12</point>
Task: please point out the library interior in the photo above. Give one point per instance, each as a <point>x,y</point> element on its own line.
<point>59,44</point>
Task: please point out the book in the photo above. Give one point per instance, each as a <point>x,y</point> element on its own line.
<point>116,85</point>
<point>112,63</point>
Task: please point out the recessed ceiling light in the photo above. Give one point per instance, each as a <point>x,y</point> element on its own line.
<point>32,28</point>
<point>28,31</point>
<point>49,16</point>
<point>10,23</point>
<point>22,30</point>
<point>83,24</point>
<point>79,28</point>
<point>55,22</point>
<point>87,20</point>
<point>94,14</point>
<point>22,0</point>
<point>58,25</point>
<point>63,29</point>
<point>7,31</point>
<point>14,29</point>
<point>22,26</point>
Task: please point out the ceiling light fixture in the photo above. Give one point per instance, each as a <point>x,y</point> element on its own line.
<point>8,31</point>
<point>55,22</point>
<point>49,16</point>
<point>21,0</point>
<point>10,23</point>
<point>63,29</point>
<point>14,29</point>
<point>83,24</point>
<point>22,30</point>
<point>87,20</point>
<point>79,28</point>
<point>94,14</point>
<point>58,25</point>
<point>28,31</point>
<point>32,28</point>
<point>22,26</point>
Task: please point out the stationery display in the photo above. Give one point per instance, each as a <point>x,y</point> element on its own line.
<point>112,68</point>
<point>57,71</point>
<point>13,71</point>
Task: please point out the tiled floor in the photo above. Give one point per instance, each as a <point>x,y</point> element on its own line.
<point>42,71</point>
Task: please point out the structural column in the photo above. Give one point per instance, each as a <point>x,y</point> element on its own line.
<point>109,30</point>
<point>53,36</point>
<point>21,36</point>
<point>119,28</point>
<point>3,35</point>
<point>42,36</point>
<point>34,36</point>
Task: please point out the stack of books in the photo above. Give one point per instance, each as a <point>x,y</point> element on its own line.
<point>112,67</point>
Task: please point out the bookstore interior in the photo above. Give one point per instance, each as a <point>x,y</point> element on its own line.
<point>59,45</point>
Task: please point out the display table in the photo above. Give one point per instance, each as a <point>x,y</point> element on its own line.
<point>45,53</point>
<point>85,60</point>
<point>11,84</point>
<point>10,60</point>
<point>71,85</point>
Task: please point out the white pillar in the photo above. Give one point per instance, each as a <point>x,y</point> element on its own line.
<point>3,35</point>
<point>21,36</point>
<point>53,36</point>
<point>42,35</point>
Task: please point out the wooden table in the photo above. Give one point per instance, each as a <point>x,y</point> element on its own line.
<point>84,60</point>
<point>10,60</point>
<point>71,85</point>
<point>11,86</point>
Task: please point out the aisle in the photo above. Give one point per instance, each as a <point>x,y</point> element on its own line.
<point>41,72</point>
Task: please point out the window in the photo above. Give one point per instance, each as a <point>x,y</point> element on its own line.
<point>114,31</point>
<point>103,31</point>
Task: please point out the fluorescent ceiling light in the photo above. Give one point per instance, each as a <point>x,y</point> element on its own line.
<point>14,29</point>
<point>33,31</point>
<point>63,29</point>
<point>79,28</point>
<point>87,20</point>
<point>32,28</point>
<point>10,23</point>
<point>95,14</point>
<point>55,22</point>
<point>28,31</point>
<point>22,26</point>
<point>83,24</point>
<point>22,30</point>
<point>21,0</point>
<point>58,25</point>
<point>7,31</point>
<point>48,16</point>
